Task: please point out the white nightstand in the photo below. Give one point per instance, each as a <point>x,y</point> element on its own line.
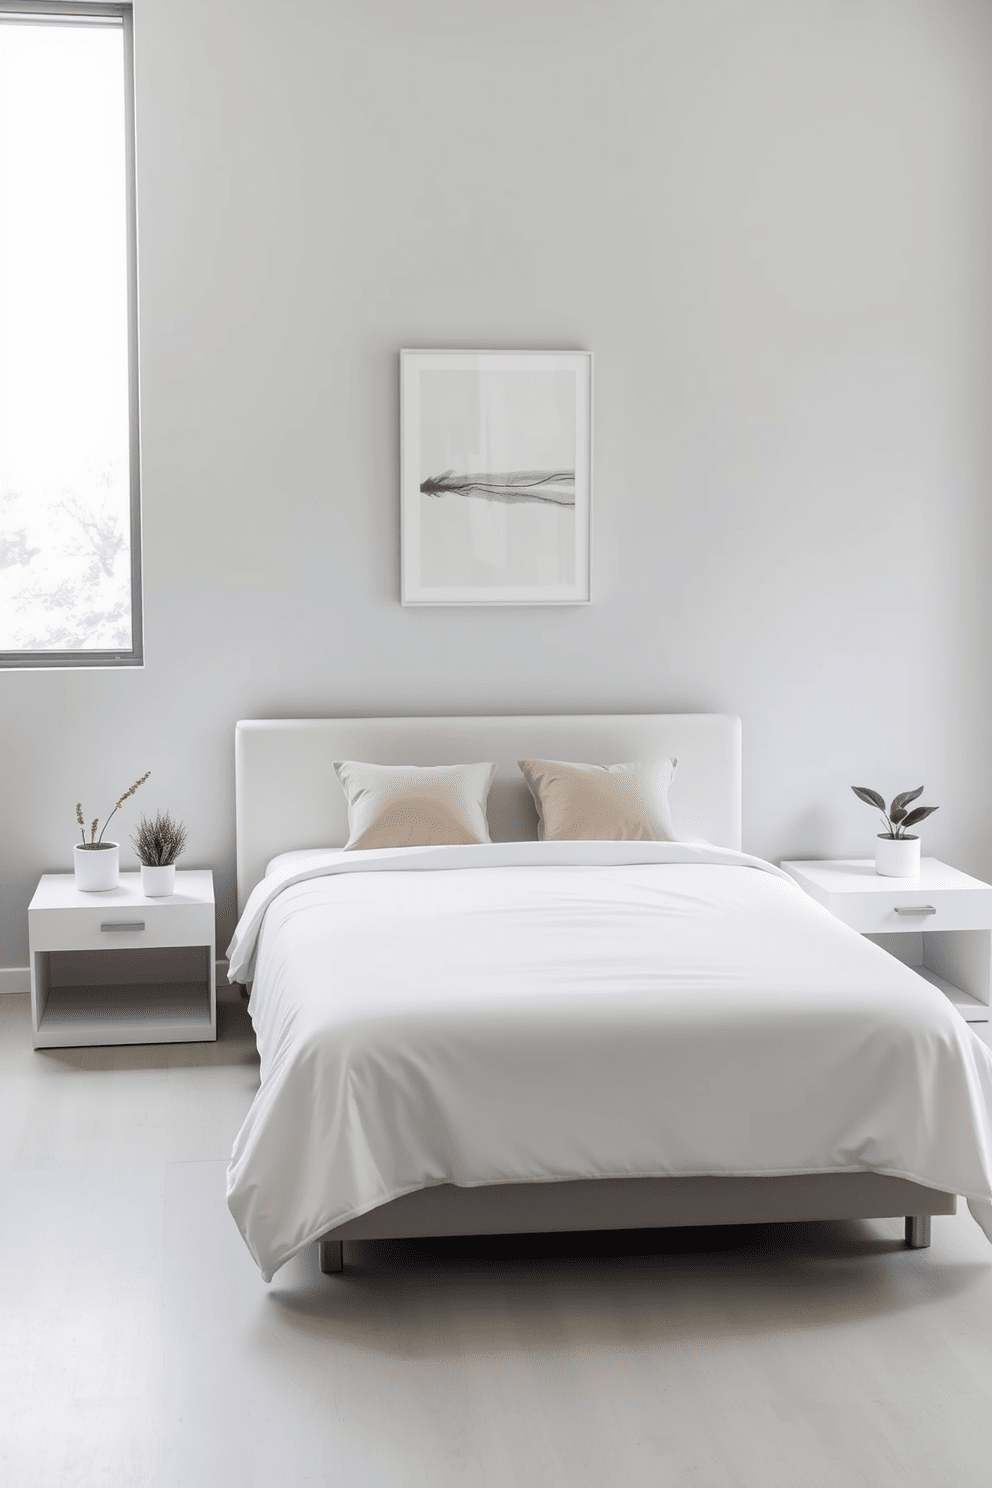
<point>116,968</point>
<point>940,924</point>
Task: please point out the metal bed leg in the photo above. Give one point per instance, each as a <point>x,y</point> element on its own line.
<point>917,1231</point>
<point>330,1254</point>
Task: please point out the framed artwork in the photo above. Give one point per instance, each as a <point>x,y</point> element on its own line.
<point>495,477</point>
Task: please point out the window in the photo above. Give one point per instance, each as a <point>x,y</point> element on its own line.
<point>69,512</point>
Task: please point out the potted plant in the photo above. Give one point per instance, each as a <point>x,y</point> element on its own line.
<point>97,863</point>
<point>898,852</point>
<point>158,844</point>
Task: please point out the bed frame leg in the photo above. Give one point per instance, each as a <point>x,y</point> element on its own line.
<point>330,1255</point>
<point>917,1231</point>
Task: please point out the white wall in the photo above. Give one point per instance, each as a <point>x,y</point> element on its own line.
<point>765,217</point>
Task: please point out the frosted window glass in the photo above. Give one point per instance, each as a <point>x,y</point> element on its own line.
<point>65,540</point>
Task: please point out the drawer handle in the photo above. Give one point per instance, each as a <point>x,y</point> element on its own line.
<point>123,925</point>
<point>917,909</point>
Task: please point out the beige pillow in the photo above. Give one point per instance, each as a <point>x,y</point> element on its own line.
<point>415,806</point>
<point>601,803</point>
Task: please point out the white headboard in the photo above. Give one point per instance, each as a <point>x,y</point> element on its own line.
<point>288,796</point>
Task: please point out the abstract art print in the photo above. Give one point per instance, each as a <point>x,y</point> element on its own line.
<point>496,471</point>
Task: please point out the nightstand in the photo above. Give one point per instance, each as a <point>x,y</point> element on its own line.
<point>940,924</point>
<point>116,968</point>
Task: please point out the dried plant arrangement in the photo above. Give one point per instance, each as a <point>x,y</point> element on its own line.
<point>158,843</point>
<point>96,842</point>
<point>897,818</point>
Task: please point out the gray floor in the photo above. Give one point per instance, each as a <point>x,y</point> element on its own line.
<point>138,1345</point>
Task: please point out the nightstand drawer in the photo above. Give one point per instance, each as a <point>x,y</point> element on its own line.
<point>896,911</point>
<point>82,929</point>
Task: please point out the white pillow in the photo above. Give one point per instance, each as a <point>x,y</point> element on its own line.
<point>413,805</point>
<point>601,803</point>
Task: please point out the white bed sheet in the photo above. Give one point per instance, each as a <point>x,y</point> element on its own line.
<point>580,1011</point>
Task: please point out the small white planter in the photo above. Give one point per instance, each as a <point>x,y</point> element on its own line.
<point>97,868</point>
<point>157,882</point>
<point>897,857</point>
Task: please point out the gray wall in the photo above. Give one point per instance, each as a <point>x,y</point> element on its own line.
<point>765,217</point>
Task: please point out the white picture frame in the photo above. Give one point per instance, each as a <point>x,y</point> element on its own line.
<point>495,477</point>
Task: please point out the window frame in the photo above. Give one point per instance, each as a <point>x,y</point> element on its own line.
<point>64,12</point>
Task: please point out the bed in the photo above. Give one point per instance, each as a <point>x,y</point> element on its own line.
<point>534,1037</point>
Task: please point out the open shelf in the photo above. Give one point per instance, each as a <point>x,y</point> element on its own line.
<point>947,959</point>
<point>139,1013</point>
<point>969,1007</point>
<point>154,995</point>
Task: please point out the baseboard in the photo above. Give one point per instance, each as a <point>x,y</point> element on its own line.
<point>18,979</point>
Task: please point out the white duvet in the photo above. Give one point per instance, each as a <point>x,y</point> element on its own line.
<point>528,1012</point>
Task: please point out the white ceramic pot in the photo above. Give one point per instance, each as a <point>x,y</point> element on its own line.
<point>97,868</point>
<point>158,881</point>
<point>898,857</point>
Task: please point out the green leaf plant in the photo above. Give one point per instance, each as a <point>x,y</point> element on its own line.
<point>898,818</point>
